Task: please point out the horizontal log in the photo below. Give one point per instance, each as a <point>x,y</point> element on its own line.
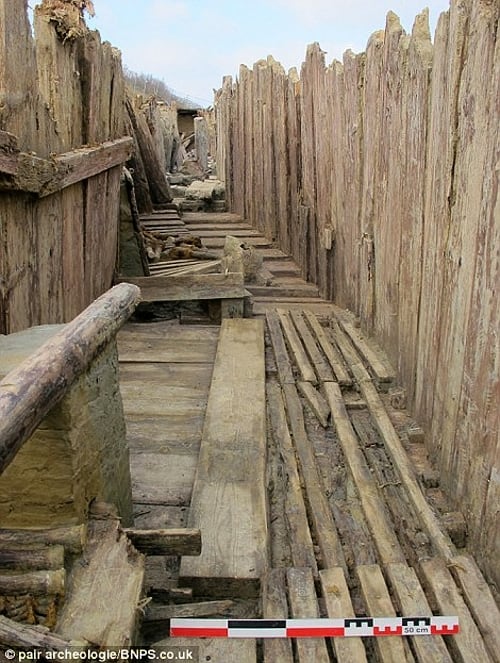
<point>30,391</point>
<point>190,287</point>
<point>162,613</point>
<point>73,539</point>
<point>166,541</point>
<point>85,162</point>
<point>13,634</point>
<point>33,582</point>
<point>33,174</point>
<point>46,558</point>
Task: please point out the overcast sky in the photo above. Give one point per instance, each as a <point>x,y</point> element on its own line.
<point>192,44</point>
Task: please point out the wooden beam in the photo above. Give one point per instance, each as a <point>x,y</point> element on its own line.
<point>32,558</point>
<point>13,634</point>
<point>33,582</point>
<point>30,391</point>
<point>163,613</point>
<point>166,541</point>
<point>85,162</point>
<point>189,287</point>
<point>41,176</point>
<point>228,502</point>
<point>73,539</point>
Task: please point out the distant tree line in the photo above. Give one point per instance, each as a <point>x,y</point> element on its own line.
<point>149,86</point>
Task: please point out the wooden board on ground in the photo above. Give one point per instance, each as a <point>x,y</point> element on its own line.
<point>411,600</point>
<point>479,598</point>
<point>104,593</point>
<point>339,606</point>
<point>283,364</point>
<point>166,342</point>
<point>275,606</point>
<point>228,502</point>
<point>304,605</point>
<point>378,604</point>
<point>296,348</point>
<point>330,351</point>
<point>321,366</point>
<point>467,646</point>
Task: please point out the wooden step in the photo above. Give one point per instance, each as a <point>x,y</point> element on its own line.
<point>228,502</point>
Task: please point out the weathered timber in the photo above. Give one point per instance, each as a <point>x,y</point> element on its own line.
<point>30,391</point>
<point>9,151</point>
<point>330,351</point>
<point>228,502</point>
<point>35,175</point>
<point>378,604</point>
<point>379,364</point>
<point>283,364</point>
<point>479,599</point>
<point>301,544</point>
<point>467,645</point>
<point>33,582</point>
<point>339,606</point>
<point>166,541</point>
<point>13,634</point>
<point>304,604</point>
<point>411,600</point>
<point>372,502</point>
<point>316,402</point>
<point>73,539</point>
<point>32,558</point>
<point>163,613</point>
<point>322,368</point>
<point>296,348</point>
<point>102,606</point>
<point>274,606</point>
<point>395,449</point>
<point>321,516</point>
<point>189,287</point>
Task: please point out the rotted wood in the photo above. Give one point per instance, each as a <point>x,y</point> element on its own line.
<point>166,541</point>
<point>297,349</point>
<point>163,613</point>
<point>330,351</point>
<point>304,605</point>
<point>13,634</point>
<point>316,401</point>
<point>33,174</point>
<point>33,558</point>
<point>33,582</point>
<point>274,606</point>
<point>31,390</point>
<point>73,539</point>
<point>321,366</point>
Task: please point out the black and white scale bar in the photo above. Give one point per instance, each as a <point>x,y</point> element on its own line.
<point>313,628</point>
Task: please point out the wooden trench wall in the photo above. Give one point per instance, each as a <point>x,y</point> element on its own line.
<point>62,146</point>
<point>379,175</point>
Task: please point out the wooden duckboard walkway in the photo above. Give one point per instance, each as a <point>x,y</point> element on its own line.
<point>351,532</point>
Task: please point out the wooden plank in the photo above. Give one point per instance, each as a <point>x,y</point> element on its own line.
<point>339,606</point>
<point>283,364</point>
<point>322,368</point>
<point>188,287</point>
<point>274,606</point>
<point>411,600</point>
<point>440,541</point>
<point>162,478</point>
<point>316,402</point>
<point>284,290</point>
<point>301,544</point>
<point>466,646</point>
<point>102,605</point>
<point>374,508</point>
<point>321,515</point>
<point>197,345</point>
<point>479,599</point>
<point>379,363</point>
<point>214,650</point>
<point>378,604</point>
<point>304,604</point>
<point>296,348</point>
<point>228,503</point>
<point>166,541</point>
<point>163,613</point>
<point>330,351</point>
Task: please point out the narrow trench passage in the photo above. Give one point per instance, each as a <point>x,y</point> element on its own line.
<point>357,523</point>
